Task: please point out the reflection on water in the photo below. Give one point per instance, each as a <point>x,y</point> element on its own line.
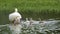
<point>47,27</point>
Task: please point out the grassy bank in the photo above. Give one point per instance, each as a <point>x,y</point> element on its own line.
<point>30,4</point>
<point>44,9</point>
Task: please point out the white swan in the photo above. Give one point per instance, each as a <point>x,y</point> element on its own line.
<point>15,17</point>
<point>27,22</point>
<point>31,21</point>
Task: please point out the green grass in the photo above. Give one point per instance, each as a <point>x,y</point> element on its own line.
<point>44,9</point>
<point>30,4</point>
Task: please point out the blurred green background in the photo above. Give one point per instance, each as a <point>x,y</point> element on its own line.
<point>35,9</point>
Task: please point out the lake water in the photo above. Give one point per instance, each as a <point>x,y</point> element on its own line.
<point>47,27</point>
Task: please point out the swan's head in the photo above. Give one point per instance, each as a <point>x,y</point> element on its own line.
<point>15,16</point>
<point>16,10</point>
